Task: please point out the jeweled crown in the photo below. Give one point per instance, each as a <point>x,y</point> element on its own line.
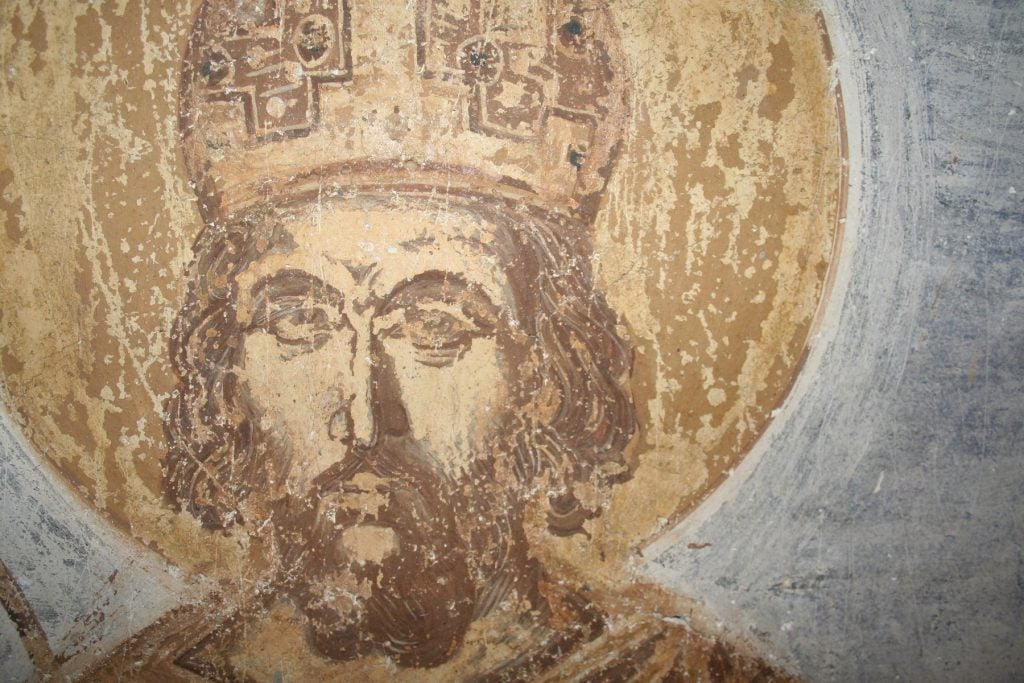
<point>523,99</point>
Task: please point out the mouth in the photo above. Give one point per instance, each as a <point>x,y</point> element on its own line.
<point>352,516</point>
<point>367,544</point>
<point>362,496</point>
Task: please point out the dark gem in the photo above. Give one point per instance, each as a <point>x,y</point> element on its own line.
<point>215,68</point>
<point>573,34</point>
<point>481,62</point>
<point>313,40</point>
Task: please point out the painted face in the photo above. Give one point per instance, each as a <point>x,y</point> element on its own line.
<point>375,324</point>
<point>378,358</point>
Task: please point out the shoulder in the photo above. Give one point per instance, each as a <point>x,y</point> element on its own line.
<point>641,643</point>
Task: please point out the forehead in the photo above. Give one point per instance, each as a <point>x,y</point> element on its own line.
<point>378,247</point>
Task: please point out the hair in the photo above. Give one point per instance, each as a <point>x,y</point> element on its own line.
<point>213,459</point>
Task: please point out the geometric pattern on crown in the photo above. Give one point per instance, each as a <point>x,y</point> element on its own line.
<point>521,98</point>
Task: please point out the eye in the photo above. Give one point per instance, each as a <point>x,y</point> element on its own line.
<point>299,326</point>
<point>440,332</point>
<point>438,329</point>
<point>298,309</point>
<point>302,327</point>
<point>439,315</point>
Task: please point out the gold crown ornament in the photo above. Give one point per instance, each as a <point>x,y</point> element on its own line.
<point>520,99</point>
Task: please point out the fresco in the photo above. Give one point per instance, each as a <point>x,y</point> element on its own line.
<point>408,324</point>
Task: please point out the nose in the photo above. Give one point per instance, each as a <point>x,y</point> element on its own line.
<point>362,416</point>
<point>355,420</point>
<point>372,402</point>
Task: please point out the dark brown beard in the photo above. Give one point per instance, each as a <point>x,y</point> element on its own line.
<point>416,603</point>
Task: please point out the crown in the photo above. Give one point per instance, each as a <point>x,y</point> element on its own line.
<point>520,99</point>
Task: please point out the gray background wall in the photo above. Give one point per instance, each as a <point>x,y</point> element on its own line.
<point>876,531</point>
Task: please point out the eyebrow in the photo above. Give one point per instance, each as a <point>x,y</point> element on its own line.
<point>439,284</point>
<point>293,283</point>
<point>422,241</point>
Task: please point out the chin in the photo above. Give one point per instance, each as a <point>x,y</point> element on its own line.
<point>383,573</point>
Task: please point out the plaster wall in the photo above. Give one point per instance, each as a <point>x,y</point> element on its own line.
<point>876,530</point>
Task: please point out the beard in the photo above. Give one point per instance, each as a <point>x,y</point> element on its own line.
<point>389,556</point>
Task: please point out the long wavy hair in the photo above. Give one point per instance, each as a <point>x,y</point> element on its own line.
<point>214,449</point>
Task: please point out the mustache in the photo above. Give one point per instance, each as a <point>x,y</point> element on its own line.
<point>406,490</point>
<point>396,459</point>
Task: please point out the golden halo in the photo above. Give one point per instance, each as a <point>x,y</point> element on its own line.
<point>714,242</point>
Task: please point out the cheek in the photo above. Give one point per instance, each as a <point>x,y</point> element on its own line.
<point>454,409</point>
<point>293,399</point>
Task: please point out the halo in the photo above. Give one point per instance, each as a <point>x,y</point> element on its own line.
<point>714,241</point>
